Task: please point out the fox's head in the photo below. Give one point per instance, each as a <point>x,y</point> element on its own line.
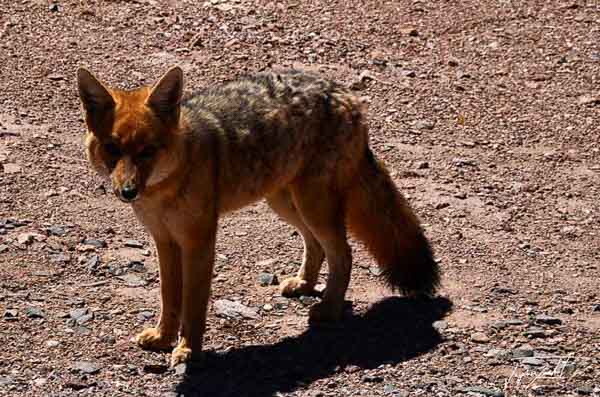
<point>130,132</point>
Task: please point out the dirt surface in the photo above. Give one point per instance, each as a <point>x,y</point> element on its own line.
<point>486,113</point>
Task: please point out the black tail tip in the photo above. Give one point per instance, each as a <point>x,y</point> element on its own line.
<point>417,274</point>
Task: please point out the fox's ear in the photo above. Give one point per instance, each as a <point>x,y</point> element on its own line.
<point>98,102</point>
<point>165,96</point>
<point>93,94</point>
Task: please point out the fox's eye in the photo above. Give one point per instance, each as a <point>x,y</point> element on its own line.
<point>147,153</point>
<point>112,149</point>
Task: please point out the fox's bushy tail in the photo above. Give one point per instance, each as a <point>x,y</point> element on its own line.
<point>379,216</point>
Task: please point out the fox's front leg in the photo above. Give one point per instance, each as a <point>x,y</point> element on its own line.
<point>164,335</point>
<point>197,269</point>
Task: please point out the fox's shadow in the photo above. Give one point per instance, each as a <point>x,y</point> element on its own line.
<point>391,331</point>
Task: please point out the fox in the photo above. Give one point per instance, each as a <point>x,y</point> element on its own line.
<point>293,138</point>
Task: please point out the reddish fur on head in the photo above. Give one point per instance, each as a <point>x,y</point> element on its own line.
<point>129,132</point>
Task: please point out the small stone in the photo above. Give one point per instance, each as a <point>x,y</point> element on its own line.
<point>459,162</point>
<point>10,168</point>
<point>549,320</point>
<point>375,270</point>
<point>56,77</point>
<point>11,314</point>
<point>480,337</point>
<point>532,361</point>
<point>52,343</point>
<point>422,165</point>
<point>440,325</point>
<point>96,243</point>
<point>132,280</point>
<point>25,238</point>
<point>133,244</point>
<point>267,307</point>
<point>390,389</point>
<point>409,73</point>
<point>483,391</point>
<point>53,7</point>
<point>40,382</point>
<point>565,368</point>
<point>234,310</point>
<point>522,352</point>
<point>307,300</point>
<point>145,315</point>
<point>596,309</point>
<point>266,279</point>
<point>584,390</point>
<point>60,258</point>
<point>3,248</point>
<point>535,333</point>
<point>372,379</point>
<point>441,205</point>
<point>56,231</point>
<point>34,312</point>
<point>180,369</point>
<point>409,31</point>
<point>280,303</point>
<point>588,100</point>
<point>81,315</point>
<point>500,354</point>
<point>93,262</point>
<point>6,380</point>
<point>424,125</point>
<point>86,367</point>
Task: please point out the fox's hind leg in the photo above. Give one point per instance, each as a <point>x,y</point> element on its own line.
<point>321,209</point>
<point>305,281</point>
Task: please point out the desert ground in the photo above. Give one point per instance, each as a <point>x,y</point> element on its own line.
<point>486,114</point>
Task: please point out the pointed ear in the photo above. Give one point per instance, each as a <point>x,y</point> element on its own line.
<point>93,94</point>
<point>97,101</point>
<point>166,95</point>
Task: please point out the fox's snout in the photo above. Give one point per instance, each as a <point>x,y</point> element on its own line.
<point>125,180</point>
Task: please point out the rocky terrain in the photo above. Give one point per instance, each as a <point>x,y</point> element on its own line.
<point>486,113</point>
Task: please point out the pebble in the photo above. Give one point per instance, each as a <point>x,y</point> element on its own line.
<point>534,362</point>
<point>180,369</point>
<point>460,162</point>
<point>6,380</point>
<point>132,280</point>
<point>58,231</point>
<point>133,244</point>
<point>34,312</point>
<point>280,303</point>
<point>534,332</point>
<point>596,309</point>
<point>52,343</point>
<point>480,337</point>
<point>96,243</point>
<point>11,314</point>
<point>439,325</point>
<point>498,353</point>
<point>267,307</point>
<point>81,315</point>
<point>234,310</point>
<point>523,351</point>
<point>424,125</point>
<point>60,258</point>
<point>86,367</point>
<point>376,271</point>
<point>549,320</point>
<point>422,165</point>
<point>266,279</point>
<point>145,315</point>
<point>93,262</point>
<point>307,300</point>
<point>40,381</point>
<point>3,248</point>
<point>584,390</point>
<point>372,379</point>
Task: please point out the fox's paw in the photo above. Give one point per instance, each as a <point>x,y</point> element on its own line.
<point>325,313</point>
<point>295,286</point>
<point>180,355</point>
<point>152,339</point>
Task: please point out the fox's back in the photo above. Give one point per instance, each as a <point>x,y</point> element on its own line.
<point>272,126</point>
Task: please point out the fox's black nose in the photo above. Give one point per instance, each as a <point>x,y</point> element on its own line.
<point>129,192</point>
